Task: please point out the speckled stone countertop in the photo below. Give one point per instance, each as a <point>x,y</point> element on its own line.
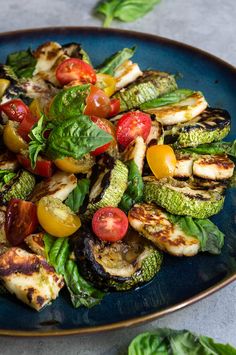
<point>207,24</point>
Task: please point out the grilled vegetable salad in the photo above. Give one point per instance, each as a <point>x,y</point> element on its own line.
<point>101,171</point>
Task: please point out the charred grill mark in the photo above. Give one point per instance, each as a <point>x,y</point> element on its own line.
<point>29,294</point>
<point>40,300</point>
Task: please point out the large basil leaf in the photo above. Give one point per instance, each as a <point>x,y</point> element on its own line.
<point>23,63</point>
<point>125,10</point>
<point>76,197</point>
<point>167,99</point>
<point>175,342</point>
<point>69,102</point>
<point>210,237</point>
<point>110,65</point>
<point>82,293</point>
<point>75,137</point>
<point>214,148</point>
<point>134,191</point>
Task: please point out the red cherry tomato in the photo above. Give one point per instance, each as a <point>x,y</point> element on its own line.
<point>97,103</point>
<point>75,69</point>
<point>110,224</point>
<point>108,127</point>
<point>115,107</point>
<point>21,220</point>
<point>43,167</point>
<point>15,110</point>
<point>132,125</point>
<point>26,126</point>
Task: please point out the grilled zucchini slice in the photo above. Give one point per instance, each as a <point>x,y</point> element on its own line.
<point>109,185</point>
<point>117,266</point>
<point>211,125</point>
<point>18,187</point>
<point>183,197</point>
<point>153,223</point>
<point>147,87</point>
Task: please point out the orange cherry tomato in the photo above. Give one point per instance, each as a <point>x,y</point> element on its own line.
<point>161,160</point>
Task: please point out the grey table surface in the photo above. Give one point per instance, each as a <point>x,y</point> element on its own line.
<point>207,24</point>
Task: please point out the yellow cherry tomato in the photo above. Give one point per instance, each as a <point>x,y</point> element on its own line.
<point>12,139</point>
<point>56,218</point>
<point>35,108</point>
<point>4,84</point>
<point>107,83</point>
<point>71,165</point>
<point>161,160</point>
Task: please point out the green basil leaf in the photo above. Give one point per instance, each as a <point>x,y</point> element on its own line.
<point>58,252</point>
<point>110,65</point>
<point>82,292</point>
<point>134,191</point>
<point>214,148</point>
<point>23,63</point>
<point>149,343</point>
<point>210,237</point>
<point>75,137</point>
<point>76,197</point>
<point>218,348</point>
<point>125,10</point>
<point>37,143</point>
<point>69,102</point>
<point>167,99</point>
<point>6,176</point>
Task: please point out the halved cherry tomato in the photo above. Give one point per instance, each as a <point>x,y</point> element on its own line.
<point>107,83</point>
<point>97,103</point>
<point>110,224</point>
<point>108,127</point>
<point>12,139</point>
<point>75,69</point>
<point>132,125</point>
<point>161,160</point>
<point>15,110</point>
<point>43,167</point>
<point>21,220</point>
<point>75,166</point>
<point>26,126</point>
<point>56,218</point>
<point>115,107</point>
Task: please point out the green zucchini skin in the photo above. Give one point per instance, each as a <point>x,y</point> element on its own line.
<point>210,126</point>
<point>182,198</point>
<point>86,247</point>
<point>20,187</point>
<point>150,85</point>
<point>113,185</point>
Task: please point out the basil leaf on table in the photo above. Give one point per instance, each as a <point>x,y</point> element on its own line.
<point>69,102</point>
<point>76,197</point>
<point>214,148</point>
<point>23,63</point>
<point>110,65</point>
<point>175,342</point>
<point>82,292</point>
<point>167,99</point>
<point>75,137</point>
<point>134,191</point>
<point>210,237</point>
<point>125,10</point>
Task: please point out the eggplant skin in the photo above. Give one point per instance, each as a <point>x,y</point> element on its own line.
<point>94,272</point>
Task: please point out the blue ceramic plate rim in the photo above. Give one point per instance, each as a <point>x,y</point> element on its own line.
<point>153,315</point>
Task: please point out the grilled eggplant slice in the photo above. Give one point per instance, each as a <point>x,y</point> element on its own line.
<point>29,277</point>
<point>211,125</point>
<point>183,197</point>
<point>147,87</point>
<point>117,266</point>
<point>19,186</point>
<point>153,223</point>
<point>108,186</point>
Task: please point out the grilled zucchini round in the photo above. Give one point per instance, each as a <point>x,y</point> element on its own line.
<point>183,198</point>
<point>116,266</point>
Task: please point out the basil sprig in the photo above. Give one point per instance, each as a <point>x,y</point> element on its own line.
<point>125,10</point>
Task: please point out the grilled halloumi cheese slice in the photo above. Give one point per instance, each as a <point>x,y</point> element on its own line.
<point>213,167</point>
<point>59,186</point>
<point>153,223</point>
<point>184,166</point>
<point>126,73</point>
<point>180,112</point>
<point>36,243</point>
<point>136,151</point>
<point>29,277</point>
<point>155,135</point>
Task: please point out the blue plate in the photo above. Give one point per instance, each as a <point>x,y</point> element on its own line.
<point>181,281</point>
